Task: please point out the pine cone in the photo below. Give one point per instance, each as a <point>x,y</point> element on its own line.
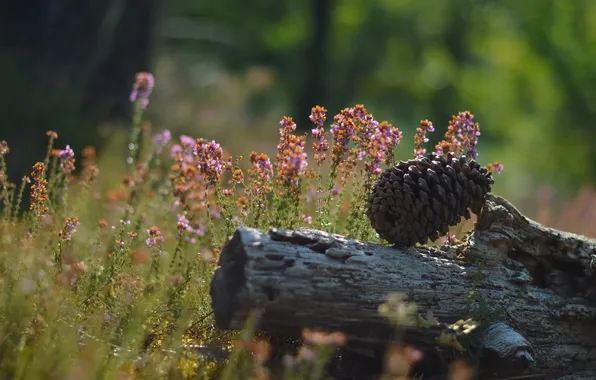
<point>421,198</point>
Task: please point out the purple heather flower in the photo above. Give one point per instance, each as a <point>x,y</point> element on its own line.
<point>496,167</point>
<point>66,159</point>
<point>291,158</point>
<point>142,88</point>
<point>292,161</point>
<point>261,172</point>
<point>420,138</point>
<point>161,139</point>
<point>318,115</point>
<point>200,231</point>
<point>210,160</point>
<point>473,153</point>
<point>66,154</point>
<point>297,162</point>
<point>385,137</point>
<point>176,150</point>
<point>265,168</point>
<point>468,132</point>
<point>342,132</point>
<point>287,124</point>
<point>321,145</point>
<point>285,132</point>
<point>214,212</point>
<point>461,137</point>
<point>69,228</point>
<point>154,237</point>
<point>307,219</point>
<point>183,223</point>
<point>187,141</point>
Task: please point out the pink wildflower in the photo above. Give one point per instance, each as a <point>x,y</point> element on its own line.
<point>420,138</point>
<point>69,228</point>
<point>66,160</point>
<point>154,237</point>
<point>142,88</point>
<point>210,160</point>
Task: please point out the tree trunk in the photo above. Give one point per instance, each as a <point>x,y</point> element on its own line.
<point>532,288</point>
<point>67,65</point>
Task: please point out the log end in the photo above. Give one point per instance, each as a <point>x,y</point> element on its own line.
<point>505,350</point>
<point>228,282</point>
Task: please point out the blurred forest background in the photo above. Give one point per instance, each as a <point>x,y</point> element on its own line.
<point>229,70</point>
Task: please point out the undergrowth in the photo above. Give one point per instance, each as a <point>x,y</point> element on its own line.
<point>115,284</point>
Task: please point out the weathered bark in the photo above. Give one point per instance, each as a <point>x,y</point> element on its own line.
<point>539,281</point>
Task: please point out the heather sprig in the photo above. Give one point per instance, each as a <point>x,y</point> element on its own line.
<point>291,166</point>
<point>383,141</point>
<point>184,229</point>
<point>376,142</point>
<point>69,228</point>
<point>154,241</point>
<point>139,96</point>
<point>65,234</point>
<point>291,157</point>
<point>211,163</point>
<point>39,190</point>
<point>420,137</point>
<point>67,160</point>
<point>320,145</point>
<point>495,167</point>
<point>6,188</point>
<point>461,136</point>
<point>342,131</point>
<point>260,185</point>
<point>154,238</point>
<point>142,88</point>
<point>61,176</point>
<point>160,140</point>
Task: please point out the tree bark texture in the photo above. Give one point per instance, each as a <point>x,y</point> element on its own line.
<point>532,288</point>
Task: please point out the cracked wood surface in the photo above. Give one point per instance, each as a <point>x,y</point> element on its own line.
<point>540,281</point>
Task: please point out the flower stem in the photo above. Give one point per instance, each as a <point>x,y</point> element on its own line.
<point>134,144</point>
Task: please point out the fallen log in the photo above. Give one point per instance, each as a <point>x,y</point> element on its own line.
<point>536,285</point>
